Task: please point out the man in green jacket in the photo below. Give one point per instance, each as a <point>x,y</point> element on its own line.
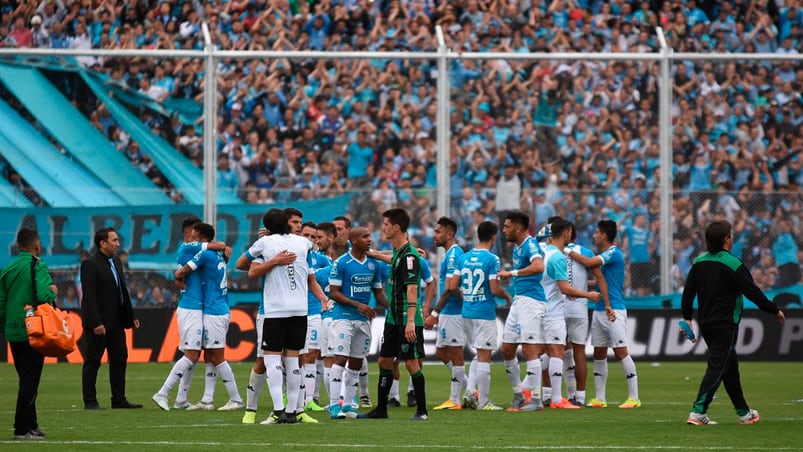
<point>16,291</point>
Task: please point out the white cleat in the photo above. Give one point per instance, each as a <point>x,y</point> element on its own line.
<point>231,405</point>
<point>161,401</point>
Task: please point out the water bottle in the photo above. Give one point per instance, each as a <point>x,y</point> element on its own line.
<point>684,325</point>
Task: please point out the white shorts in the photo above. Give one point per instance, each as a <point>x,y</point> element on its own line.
<point>260,320</point>
<point>450,331</point>
<point>313,334</point>
<point>605,333</point>
<point>481,334</point>
<point>190,329</point>
<point>577,330</point>
<point>351,338</point>
<point>215,329</point>
<point>326,338</point>
<point>554,331</point>
<point>524,321</point>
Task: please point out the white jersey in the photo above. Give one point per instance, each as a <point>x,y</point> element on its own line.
<point>284,292</point>
<point>555,270</point>
<point>577,308</point>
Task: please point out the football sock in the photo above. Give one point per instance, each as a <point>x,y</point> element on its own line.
<point>383,388</point>
<point>255,384</point>
<point>419,386</point>
<point>513,373</point>
<point>184,385</point>
<point>580,396</point>
<point>394,390</point>
<point>310,375</point>
<point>600,378</point>
<point>458,375</point>
<point>327,381</point>
<point>273,363</point>
<point>568,374</point>
<point>293,380</point>
<point>410,387</point>
<point>631,377</point>
<point>364,377</point>
<point>229,382</point>
<point>533,379</point>
<point>556,378</point>
<point>471,382</point>
<point>483,381</point>
<point>319,375</point>
<point>547,391</point>
<point>209,384</point>
<point>336,384</point>
<point>350,379</point>
<point>181,367</point>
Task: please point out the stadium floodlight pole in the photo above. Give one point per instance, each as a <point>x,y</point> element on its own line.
<point>442,128</point>
<point>210,116</point>
<point>665,141</point>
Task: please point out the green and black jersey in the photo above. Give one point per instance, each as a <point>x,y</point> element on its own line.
<point>405,270</point>
<point>720,282</point>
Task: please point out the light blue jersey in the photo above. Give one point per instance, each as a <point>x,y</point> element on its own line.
<point>384,274</point>
<point>356,280</point>
<point>319,260</point>
<point>212,270</point>
<point>322,276</point>
<point>476,269</point>
<point>613,269</point>
<point>192,297</point>
<point>555,269</point>
<point>426,278</point>
<point>454,305</point>
<point>638,241</point>
<point>523,255</point>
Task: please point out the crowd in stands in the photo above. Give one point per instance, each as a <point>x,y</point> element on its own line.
<point>577,138</point>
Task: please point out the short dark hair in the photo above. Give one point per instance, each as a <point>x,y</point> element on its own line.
<point>559,226</point>
<point>574,231</point>
<point>448,223</point>
<point>518,217</point>
<point>27,238</point>
<point>189,222</point>
<point>553,218</point>
<point>275,221</point>
<point>344,219</point>
<point>102,235</point>
<point>399,217</point>
<point>328,228</point>
<point>486,230</point>
<point>309,224</point>
<point>715,235</point>
<point>205,230</point>
<point>607,227</point>
<point>293,212</point>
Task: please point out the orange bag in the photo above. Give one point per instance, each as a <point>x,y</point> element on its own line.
<point>50,330</point>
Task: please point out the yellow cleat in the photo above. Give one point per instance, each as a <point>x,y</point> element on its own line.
<point>631,403</point>
<point>305,418</point>
<point>250,417</point>
<point>595,403</point>
<point>448,405</point>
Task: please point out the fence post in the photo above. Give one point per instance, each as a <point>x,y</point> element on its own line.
<point>442,127</point>
<point>665,139</point>
<point>210,115</point>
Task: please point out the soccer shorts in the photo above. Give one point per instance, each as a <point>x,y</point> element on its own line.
<point>190,329</point>
<point>605,333</point>
<point>260,320</point>
<point>215,329</point>
<point>351,338</point>
<point>577,330</point>
<point>481,334</point>
<point>284,333</point>
<point>450,331</point>
<point>554,331</point>
<point>326,342</point>
<point>524,321</point>
<point>396,345</point>
<point>313,340</point>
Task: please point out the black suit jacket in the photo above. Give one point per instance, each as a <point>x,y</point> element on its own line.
<point>100,303</point>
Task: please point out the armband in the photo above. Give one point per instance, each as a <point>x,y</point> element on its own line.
<point>514,273</point>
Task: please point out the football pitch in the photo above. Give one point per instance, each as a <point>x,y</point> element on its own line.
<point>666,391</point>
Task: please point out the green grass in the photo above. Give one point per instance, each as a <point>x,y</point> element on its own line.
<point>667,391</point>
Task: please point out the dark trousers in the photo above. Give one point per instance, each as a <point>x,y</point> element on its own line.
<point>114,343</point>
<point>28,363</point>
<point>723,367</point>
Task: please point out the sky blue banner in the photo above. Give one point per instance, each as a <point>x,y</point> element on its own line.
<point>150,234</point>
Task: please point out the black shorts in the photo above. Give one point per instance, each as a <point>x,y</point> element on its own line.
<point>285,333</point>
<point>395,345</point>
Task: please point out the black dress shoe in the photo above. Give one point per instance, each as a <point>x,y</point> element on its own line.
<point>126,404</point>
<point>92,406</point>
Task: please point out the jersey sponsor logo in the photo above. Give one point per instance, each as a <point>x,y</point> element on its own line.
<point>410,262</point>
<point>362,278</point>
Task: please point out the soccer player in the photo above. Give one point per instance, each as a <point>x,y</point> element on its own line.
<point>609,321</point>
<point>404,326</point>
<point>576,314</point>
<point>211,267</point>
<point>312,352</point>
<point>526,317</point>
<point>478,270</point>
<point>285,307</point>
<point>189,316</point>
<point>719,281</point>
<point>446,313</point>
<point>352,279</point>
<point>338,247</point>
<point>556,287</point>
<point>342,226</point>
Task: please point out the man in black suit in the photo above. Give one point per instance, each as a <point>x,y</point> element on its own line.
<point>106,312</point>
